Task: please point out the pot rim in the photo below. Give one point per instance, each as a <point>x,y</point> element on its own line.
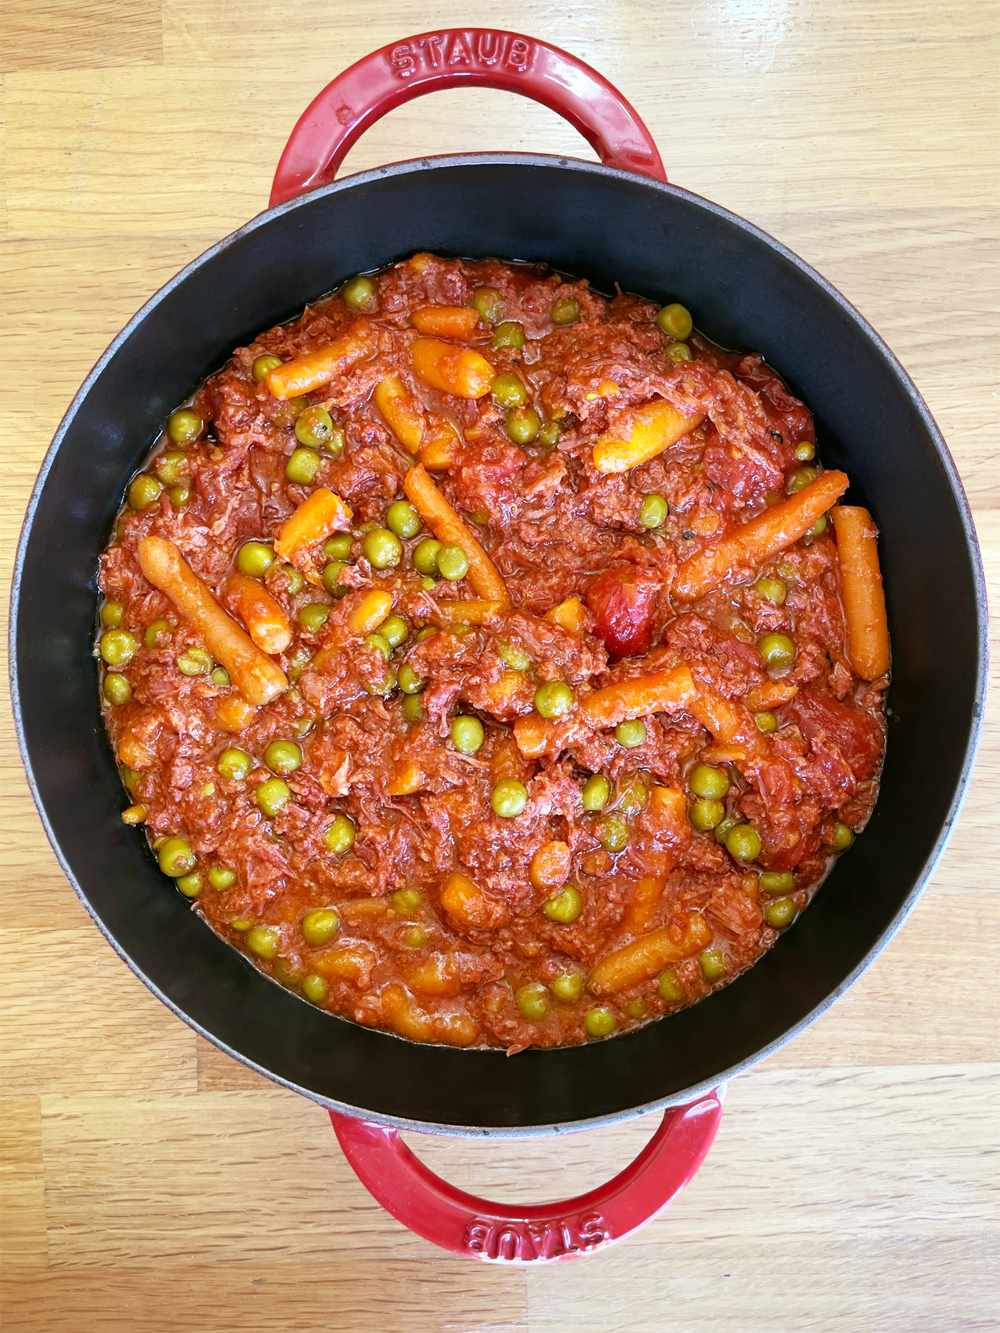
<point>415,166</point>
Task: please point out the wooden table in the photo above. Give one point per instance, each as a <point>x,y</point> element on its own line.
<point>150,1183</point>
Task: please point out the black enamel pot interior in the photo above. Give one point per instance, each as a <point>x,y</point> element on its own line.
<point>747,292</point>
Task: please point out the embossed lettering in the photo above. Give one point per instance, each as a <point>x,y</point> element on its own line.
<point>478,1236</point>
<point>594,1230</point>
<point>507,1244</point>
<point>489,47</point>
<point>451,48</point>
<point>432,42</point>
<point>459,53</point>
<point>401,61</point>
<point>518,54</point>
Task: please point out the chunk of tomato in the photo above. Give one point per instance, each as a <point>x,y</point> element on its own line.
<point>623,600</point>
<point>837,728</point>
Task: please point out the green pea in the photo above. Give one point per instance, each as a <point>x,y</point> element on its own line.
<point>548,434</point>
<point>513,655</point>
<point>190,885</point>
<point>302,466</point>
<point>320,925</point>
<point>359,294</point>
<point>533,1001</point>
<point>220,677</point>
<point>273,795</point>
<point>487,303</point>
<point>453,563</point>
<point>367,527</point>
<point>780,912</point>
<point>384,686</point>
<point>509,391</point>
<point>376,644</point>
<point>315,988</point>
<point>724,829</point>
<point>613,834</point>
<point>313,616</point>
<point>669,987</point>
<point>425,557</point>
<point>331,578</point>
<point>382,548</point>
<point>336,441</point>
<point>766,721</point>
<point>523,424</point>
<point>713,965</point>
<point>403,519</point>
<point>509,798</point>
<point>600,1021</point>
<point>131,779</point>
<point>565,907</point>
<point>415,937</point>
<point>184,425</point>
<point>565,310</point>
<point>800,479</point>
<point>143,491</point>
<point>339,546</point>
<point>636,1008</point>
<point>805,451</point>
<point>314,427</point>
<point>263,365</point>
<point>117,690</point>
<point>630,733</point>
<point>777,881</point>
<point>171,466</point>
<point>818,528</point>
<point>408,680</point>
<point>176,858</point>
<point>180,496</point>
<point>508,334</point>
<point>263,941</point>
<point>394,630</point>
<point>254,559</point>
<point>195,661</point>
<point>709,782</point>
<point>340,836</point>
<point>743,843</point>
<point>221,878</point>
<point>233,764</point>
<point>706,815</point>
<point>771,590</point>
<point>568,986</point>
<point>157,633</point>
<point>674,320</point>
<point>596,792</point>
<point>777,650</point>
<point>294,581</point>
<point>406,901</point>
<point>679,352</point>
<point>634,798</point>
<point>467,734</point>
<point>118,647</point>
<point>283,757</point>
<point>413,709</point>
<point>653,511</point>
<point>112,614</point>
<point>554,699</point>
<point>843,836</point>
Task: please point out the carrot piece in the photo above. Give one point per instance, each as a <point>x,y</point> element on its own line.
<point>465,903</point>
<point>403,1014</point>
<point>687,934</point>
<point>234,714</point>
<point>476,611</point>
<point>135,753</point>
<point>641,434</point>
<point>659,692</point>
<point>433,976</point>
<point>440,450</point>
<point>403,414</point>
<point>642,903</point>
<point>407,777</point>
<point>861,591</point>
<point>451,369</point>
<point>451,529</point>
<point>770,694</point>
<point>253,673</point>
<point>266,623</point>
<point>550,865</point>
<point>569,614</point>
<point>307,372</point>
<point>347,962</point>
<point>369,611</point>
<point>763,537</point>
<point>317,516</point>
<point>533,734</point>
<point>730,723</point>
<point>506,761</point>
<point>666,815</point>
<point>446,321</point>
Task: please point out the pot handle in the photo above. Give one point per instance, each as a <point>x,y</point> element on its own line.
<point>480,57</point>
<point>536,1233</point>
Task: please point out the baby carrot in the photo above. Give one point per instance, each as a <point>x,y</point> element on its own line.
<point>451,369</point>
<point>861,591</point>
<point>311,370</point>
<point>642,434</point>
<point>446,321</point>
<point>266,623</point>
<point>451,529</point>
<point>401,411</point>
<point>687,934</point>
<point>659,692</point>
<point>317,516</point>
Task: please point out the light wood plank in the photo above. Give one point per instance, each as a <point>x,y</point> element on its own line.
<point>55,36</point>
<point>23,1235</point>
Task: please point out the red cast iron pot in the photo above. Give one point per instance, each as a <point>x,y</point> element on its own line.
<point>617,222</point>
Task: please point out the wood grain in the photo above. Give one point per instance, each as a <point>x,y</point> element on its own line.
<point>149,1184</point>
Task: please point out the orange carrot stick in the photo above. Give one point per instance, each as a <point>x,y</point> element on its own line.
<point>451,369</point>
<point>861,591</point>
<point>642,903</point>
<point>730,723</point>
<point>688,933</point>
<point>440,449</point>
<point>311,370</point>
<point>550,865</point>
<point>476,611</point>
<point>317,516</point>
<point>451,529</point>
<point>253,673</point>
<point>446,321</point>
<point>569,614</point>
<point>403,414</point>
<point>266,623</point>
<point>465,903</point>
<point>764,536</point>
<point>659,692</point>
<point>641,434</point>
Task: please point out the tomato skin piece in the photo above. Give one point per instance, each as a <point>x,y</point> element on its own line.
<point>826,722</point>
<point>623,600</point>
